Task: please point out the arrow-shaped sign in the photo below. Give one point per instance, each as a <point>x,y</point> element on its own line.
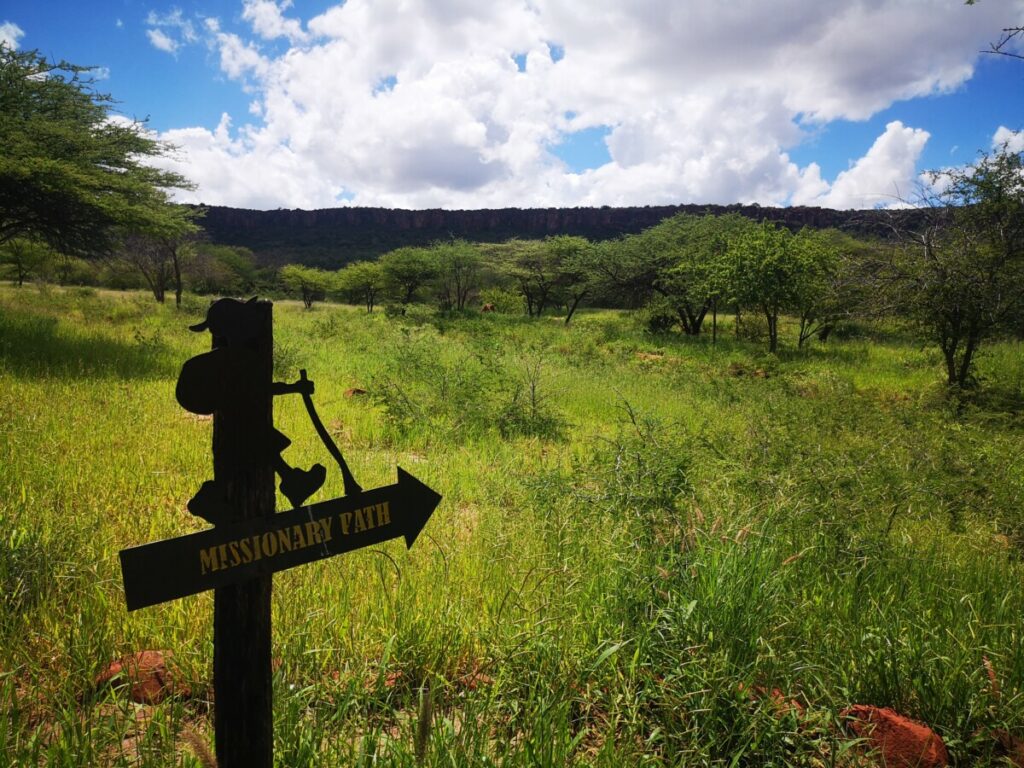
<point>235,552</point>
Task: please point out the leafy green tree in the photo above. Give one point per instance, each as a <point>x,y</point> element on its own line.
<point>22,259</point>
<point>764,268</point>
<point>227,270</point>
<point>72,174</point>
<point>361,281</point>
<point>815,280</point>
<point>406,270</point>
<point>533,269</point>
<point>679,261</point>
<point>459,269</point>
<point>309,283</point>
<point>960,271</point>
<point>157,250</point>
<point>573,260</point>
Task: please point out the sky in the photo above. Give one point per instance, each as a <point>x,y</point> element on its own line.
<point>537,103</point>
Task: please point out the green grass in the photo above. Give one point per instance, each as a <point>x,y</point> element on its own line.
<point>637,533</point>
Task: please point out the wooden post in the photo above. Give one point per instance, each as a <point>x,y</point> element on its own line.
<point>242,461</point>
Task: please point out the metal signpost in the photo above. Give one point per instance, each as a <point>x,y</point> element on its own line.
<point>249,542</point>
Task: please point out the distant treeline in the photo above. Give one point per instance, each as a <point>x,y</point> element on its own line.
<point>331,238</point>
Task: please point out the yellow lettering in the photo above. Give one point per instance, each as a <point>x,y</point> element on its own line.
<point>299,540</point>
<point>208,560</point>
<point>325,529</point>
<point>383,513</point>
<point>222,550</point>
<point>346,522</point>
<point>360,521</point>
<point>269,544</point>
<point>257,550</point>
<point>284,541</point>
<point>246,550</point>
<point>236,559</point>
<point>312,533</point>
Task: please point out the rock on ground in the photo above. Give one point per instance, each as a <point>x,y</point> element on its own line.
<point>901,742</point>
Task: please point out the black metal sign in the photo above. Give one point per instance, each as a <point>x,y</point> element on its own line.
<point>234,552</point>
<point>249,541</point>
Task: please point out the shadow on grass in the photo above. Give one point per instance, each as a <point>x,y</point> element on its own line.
<point>38,346</point>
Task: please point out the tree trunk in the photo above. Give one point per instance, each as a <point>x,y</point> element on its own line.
<point>773,330</point>
<point>963,375</point>
<point>177,277</point>
<point>572,309</point>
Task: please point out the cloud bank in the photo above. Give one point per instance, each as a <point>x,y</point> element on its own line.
<point>460,104</point>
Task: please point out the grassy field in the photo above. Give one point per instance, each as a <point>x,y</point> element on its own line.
<point>641,537</point>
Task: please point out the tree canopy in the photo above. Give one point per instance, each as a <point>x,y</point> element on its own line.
<point>73,174</point>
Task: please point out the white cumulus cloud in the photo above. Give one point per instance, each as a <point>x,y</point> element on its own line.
<point>884,176</point>
<point>1012,140</point>
<point>269,22</point>
<point>161,41</point>
<point>421,103</point>
<point>170,31</point>
<point>10,34</point>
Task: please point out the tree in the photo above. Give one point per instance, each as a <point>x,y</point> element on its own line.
<point>72,174</point>
<point>227,270</point>
<point>765,265</point>
<point>361,281</point>
<point>157,250</point>
<point>406,270</point>
<point>25,258</point>
<point>680,262</point>
<point>573,261</point>
<point>960,271</point>
<point>458,272</point>
<point>837,279</point>
<point>533,270</point>
<point>309,283</point>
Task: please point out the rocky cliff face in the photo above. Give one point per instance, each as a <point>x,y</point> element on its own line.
<point>335,236</point>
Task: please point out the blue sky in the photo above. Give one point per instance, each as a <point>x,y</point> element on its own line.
<point>454,104</point>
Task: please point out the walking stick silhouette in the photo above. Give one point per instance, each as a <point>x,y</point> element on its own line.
<point>351,486</point>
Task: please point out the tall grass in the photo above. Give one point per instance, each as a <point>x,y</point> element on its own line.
<point>649,547</point>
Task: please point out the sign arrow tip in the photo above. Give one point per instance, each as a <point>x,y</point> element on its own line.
<point>421,499</point>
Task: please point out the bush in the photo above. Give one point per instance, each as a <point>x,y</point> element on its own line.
<point>658,318</point>
<point>505,300</point>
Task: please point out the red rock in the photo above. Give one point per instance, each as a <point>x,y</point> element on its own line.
<point>487,308</point>
<point>146,674</point>
<point>354,392</point>
<point>1011,747</point>
<point>902,742</point>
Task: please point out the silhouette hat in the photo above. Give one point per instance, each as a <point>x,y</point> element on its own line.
<point>232,320</point>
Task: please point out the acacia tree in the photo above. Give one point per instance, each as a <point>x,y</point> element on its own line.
<point>309,283</point>
<point>816,283</point>
<point>960,270</point>
<point>572,259</point>
<point>158,250</point>
<point>458,268</point>
<point>764,270</point>
<point>534,271</point>
<point>25,258</point>
<point>72,174</point>
<point>361,281</point>
<point>681,262</point>
<point>406,270</point>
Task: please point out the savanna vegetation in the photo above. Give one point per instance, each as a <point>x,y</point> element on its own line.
<point>643,536</point>
<point>705,487</point>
